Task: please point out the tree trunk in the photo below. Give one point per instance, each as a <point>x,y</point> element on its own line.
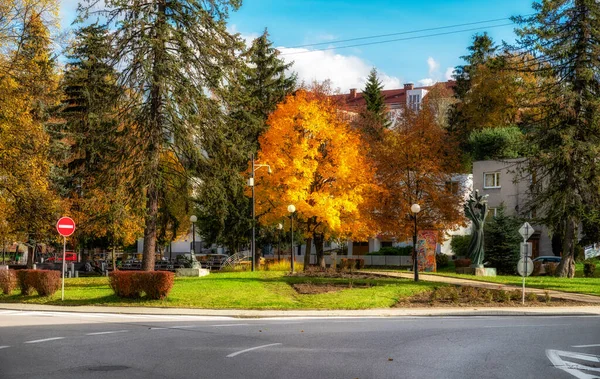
<point>566,267</point>
<point>150,229</point>
<point>319,239</point>
<point>308,253</point>
<point>30,254</point>
<point>114,261</point>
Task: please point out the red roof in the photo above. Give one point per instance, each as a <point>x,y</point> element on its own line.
<point>392,96</point>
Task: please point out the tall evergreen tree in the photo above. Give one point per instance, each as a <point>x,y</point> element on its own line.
<point>563,37</point>
<point>171,55</point>
<point>375,112</point>
<point>261,82</point>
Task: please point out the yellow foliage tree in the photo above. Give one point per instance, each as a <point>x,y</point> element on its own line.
<point>317,165</point>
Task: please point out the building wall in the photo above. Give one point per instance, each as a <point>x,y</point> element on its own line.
<point>512,192</point>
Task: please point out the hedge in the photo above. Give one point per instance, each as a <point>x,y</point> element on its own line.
<point>402,251</point>
<point>8,281</point>
<point>45,282</point>
<point>131,284</point>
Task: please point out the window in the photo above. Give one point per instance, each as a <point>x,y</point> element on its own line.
<point>452,187</point>
<point>491,180</point>
<point>492,212</point>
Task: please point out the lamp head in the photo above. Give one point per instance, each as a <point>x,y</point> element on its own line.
<point>280,226</point>
<point>291,208</point>
<point>193,218</point>
<point>415,208</point>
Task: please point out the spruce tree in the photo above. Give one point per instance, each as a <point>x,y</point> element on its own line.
<point>502,242</point>
<point>563,37</point>
<point>172,57</point>
<point>259,84</point>
<point>375,109</point>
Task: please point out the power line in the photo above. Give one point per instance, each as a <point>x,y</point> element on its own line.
<point>396,39</point>
<point>402,33</point>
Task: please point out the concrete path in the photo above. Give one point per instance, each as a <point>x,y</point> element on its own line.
<point>591,299</point>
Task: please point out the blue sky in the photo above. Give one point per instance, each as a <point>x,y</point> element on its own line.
<point>425,60</point>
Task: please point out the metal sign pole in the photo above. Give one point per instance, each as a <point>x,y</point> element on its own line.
<point>62,296</point>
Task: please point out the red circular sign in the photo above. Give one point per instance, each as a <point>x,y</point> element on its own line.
<point>65,226</point>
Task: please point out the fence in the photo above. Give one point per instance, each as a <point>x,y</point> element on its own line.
<point>370,260</point>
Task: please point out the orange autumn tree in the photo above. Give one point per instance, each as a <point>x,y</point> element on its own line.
<point>415,163</point>
<point>317,164</point>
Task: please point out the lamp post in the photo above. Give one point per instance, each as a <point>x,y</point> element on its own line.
<point>251,184</point>
<point>291,208</point>
<point>193,220</point>
<point>279,228</point>
<point>415,209</point>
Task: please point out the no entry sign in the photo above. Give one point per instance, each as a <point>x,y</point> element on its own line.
<point>65,226</point>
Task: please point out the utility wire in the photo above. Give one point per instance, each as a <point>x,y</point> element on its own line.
<point>395,40</point>
<point>402,33</point>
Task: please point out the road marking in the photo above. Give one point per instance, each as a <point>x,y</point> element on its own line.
<point>4,347</point>
<point>252,348</point>
<point>110,332</point>
<point>46,339</point>
<point>586,345</point>
<point>555,356</point>
<point>233,325</point>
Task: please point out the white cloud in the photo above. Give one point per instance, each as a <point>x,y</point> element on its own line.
<point>434,66</point>
<point>344,71</point>
<point>427,82</point>
<point>449,73</point>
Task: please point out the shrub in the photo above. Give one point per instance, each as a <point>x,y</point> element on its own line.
<point>537,268</point>
<point>157,284</point>
<point>551,268</point>
<point>531,297</point>
<point>26,282</point>
<point>46,282</point>
<point>352,263</point>
<point>8,281</point>
<point>125,283</point>
<point>131,284</point>
<point>460,245</point>
<point>441,260</point>
<point>462,263</point>
<point>588,269</point>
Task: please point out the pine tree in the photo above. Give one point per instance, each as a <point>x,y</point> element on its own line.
<point>171,55</point>
<point>375,112</point>
<point>563,37</point>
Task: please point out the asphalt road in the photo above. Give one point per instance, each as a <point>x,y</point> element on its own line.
<point>62,345</point>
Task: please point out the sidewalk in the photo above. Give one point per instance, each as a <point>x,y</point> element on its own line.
<point>591,299</point>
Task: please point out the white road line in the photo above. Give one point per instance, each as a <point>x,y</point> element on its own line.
<point>4,347</point>
<point>110,332</point>
<point>252,348</point>
<point>46,339</point>
<point>233,325</point>
<point>555,356</point>
<point>596,345</point>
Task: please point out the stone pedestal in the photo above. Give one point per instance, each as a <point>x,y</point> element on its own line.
<point>196,272</point>
<point>477,271</point>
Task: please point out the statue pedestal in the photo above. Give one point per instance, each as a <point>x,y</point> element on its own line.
<point>477,271</point>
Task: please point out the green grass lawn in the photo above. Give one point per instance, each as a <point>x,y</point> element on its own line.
<point>579,284</point>
<point>239,290</point>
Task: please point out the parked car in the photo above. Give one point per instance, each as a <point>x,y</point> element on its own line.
<point>546,259</point>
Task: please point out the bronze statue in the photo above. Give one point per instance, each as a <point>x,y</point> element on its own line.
<point>476,210</point>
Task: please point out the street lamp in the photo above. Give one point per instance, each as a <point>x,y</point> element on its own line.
<point>279,228</point>
<point>291,208</point>
<point>251,184</point>
<point>415,209</point>
<point>193,220</point>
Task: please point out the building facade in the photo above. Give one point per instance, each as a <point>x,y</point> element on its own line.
<point>506,185</point>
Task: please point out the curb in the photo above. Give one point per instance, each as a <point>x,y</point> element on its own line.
<point>388,312</point>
